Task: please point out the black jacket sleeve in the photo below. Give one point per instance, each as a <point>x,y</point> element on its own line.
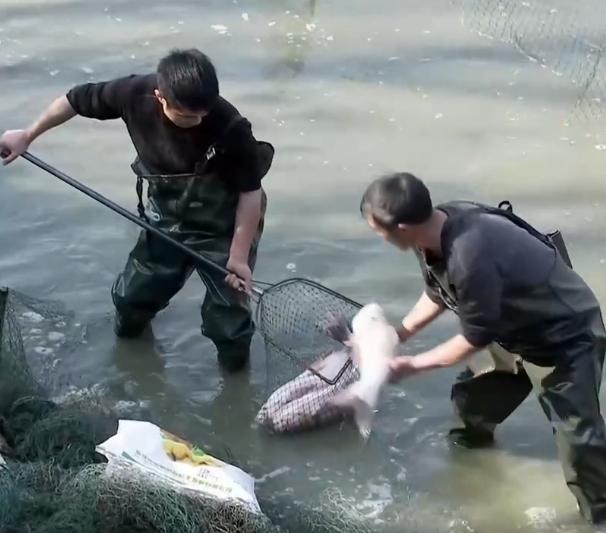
<point>104,100</point>
<point>242,159</point>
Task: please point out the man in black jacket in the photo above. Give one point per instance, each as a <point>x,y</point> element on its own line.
<point>514,294</point>
<point>203,168</point>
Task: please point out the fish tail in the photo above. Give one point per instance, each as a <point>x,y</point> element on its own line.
<point>363,412</point>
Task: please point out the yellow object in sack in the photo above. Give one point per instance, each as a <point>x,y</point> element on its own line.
<point>180,450</point>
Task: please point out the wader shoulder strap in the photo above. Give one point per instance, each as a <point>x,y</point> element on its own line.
<point>553,239</point>
<point>201,166</point>
<point>215,147</point>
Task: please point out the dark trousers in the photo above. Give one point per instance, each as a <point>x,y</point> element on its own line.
<point>155,271</point>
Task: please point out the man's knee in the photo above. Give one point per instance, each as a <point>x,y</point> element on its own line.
<point>470,429</point>
<point>569,399</point>
<point>134,303</point>
<point>230,328</point>
<point>481,402</point>
<point>145,287</point>
<point>491,396</point>
<point>233,356</point>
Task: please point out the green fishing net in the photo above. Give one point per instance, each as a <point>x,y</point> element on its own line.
<point>53,480</point>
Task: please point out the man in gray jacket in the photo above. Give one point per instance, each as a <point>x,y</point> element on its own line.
<point>514,293</point>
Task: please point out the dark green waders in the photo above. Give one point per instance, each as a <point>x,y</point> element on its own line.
<point>568,394</point>
<point>199,211</point>
<point>155,271</point>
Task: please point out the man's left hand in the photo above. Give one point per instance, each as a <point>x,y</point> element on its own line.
<point>241,275</point>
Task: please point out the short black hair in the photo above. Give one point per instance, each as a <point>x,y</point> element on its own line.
<point>188,79</point>
<point>394,199</point>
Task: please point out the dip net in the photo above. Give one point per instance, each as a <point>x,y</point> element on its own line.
<point>304,325</point>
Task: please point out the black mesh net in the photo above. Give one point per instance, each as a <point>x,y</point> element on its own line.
<point>54,481</point>
<point>306,367</point>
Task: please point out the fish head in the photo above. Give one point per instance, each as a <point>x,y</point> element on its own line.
<point>337,328</point>
<point>372,333</point>
<point>366,316</point>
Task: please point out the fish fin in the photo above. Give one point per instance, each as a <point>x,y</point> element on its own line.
<point>363,416</point>
<point>354,351</point>
<point>363,412</point>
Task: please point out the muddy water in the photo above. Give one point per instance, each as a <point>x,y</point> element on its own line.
<point>345,91</point>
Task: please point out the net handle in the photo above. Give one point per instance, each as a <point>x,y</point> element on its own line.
<point>257,291</point>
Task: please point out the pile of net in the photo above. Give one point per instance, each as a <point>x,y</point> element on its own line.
<point>53,479</point>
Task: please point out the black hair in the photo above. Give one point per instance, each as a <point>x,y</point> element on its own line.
<point>187,79</point>
<point>399,198</point>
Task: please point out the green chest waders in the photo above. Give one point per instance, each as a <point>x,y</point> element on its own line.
<point>199,210</point>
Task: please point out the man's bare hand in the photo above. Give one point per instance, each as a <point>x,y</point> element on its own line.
<point>240,277</point>
<point>13,143</point>
<point>402,367</point>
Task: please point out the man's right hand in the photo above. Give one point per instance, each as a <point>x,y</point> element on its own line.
<point>12,144</point>
<point>403,333</point>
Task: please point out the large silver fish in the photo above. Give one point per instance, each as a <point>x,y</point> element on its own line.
<point>373,343</point>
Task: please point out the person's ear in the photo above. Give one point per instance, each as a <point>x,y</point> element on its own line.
<point>159,96</point>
